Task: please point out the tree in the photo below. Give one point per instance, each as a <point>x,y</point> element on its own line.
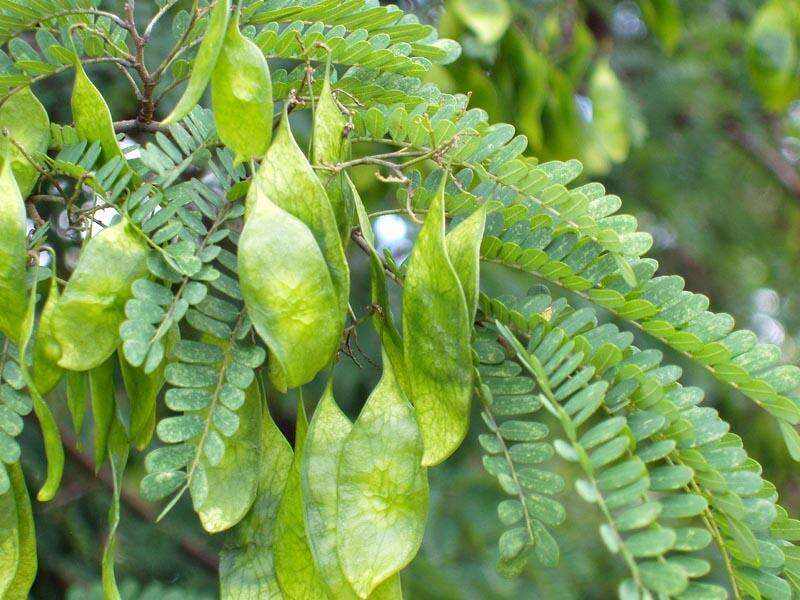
<point>223,278</point>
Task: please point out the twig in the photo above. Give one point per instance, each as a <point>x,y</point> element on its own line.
<point>362,243</point>
<point>136,126</point>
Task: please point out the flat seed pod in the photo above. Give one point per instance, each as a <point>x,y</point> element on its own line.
<point>329,148</point>
<point>287,179</point>
<point>241,95</point>
<point>29,126</point>
<point>294,564</point>
<point>17,538</point>
<point>463,248</point>
<point>223,493</point>
<point>91,115</point>
<point>13,247</point>
<point>204,62</point>
<point>54,451</point>
<point>46,351</point>
<point>288,293</point>
<point>247,562</point>
<point>382,489</point>
<point>437,330</point>
<point>326,434</point>
<point>86,319</point>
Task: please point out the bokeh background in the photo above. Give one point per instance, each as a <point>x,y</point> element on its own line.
<point>689,110</point>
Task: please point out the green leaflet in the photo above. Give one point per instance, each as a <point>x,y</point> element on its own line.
<point>54,451</point>
<point>29,126</point>
<point>288,292</point>
<point>46,351</point>
<point>287,179</point>
<point>437,330</point>
<point>223,493</point>
<point>13,249</point>
<point>330,147</point>
<point>294,564</point>
<point>463,249</point>
<point>91,115</point>
<point>247,569</point>
<point>204,62</point>
<point>87,317</point>
<point>241,95</point>
<point>17,539</point>
<point>382,490</point>
<point>318,474</point>
<point>142,390</point>
<point>118,448</point>
<point>104,406</point>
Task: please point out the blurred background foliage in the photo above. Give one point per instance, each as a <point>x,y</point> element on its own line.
<point>689,110</point>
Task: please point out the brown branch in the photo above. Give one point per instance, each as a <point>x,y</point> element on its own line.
<point>192,546</point>
<point>768,156</point>
<point>137,126</point>
<point>362,243</point>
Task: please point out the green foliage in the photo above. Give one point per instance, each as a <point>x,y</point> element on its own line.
<point>223,278</point>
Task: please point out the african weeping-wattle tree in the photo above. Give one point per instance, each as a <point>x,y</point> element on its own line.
<point>222,284</point>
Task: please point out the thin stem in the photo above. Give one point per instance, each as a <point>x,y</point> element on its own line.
<point>154,21</point>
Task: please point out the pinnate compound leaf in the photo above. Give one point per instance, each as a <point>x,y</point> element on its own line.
<point>12,249</point>
<point>204,62</point>
<point>294,564</point>
<point>288,292</point>
<point>222,493</point>
<point>247,567</point>
<point>87,317</point>
<point>437,330</point>
<point>382,489</point>
<point>29,126</point>
<point>241,95</point>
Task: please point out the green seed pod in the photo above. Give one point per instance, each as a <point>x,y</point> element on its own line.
<point>288,292</point>
<point>13,248</point>
<point>204,62</point>
<point>437,332</point>
<point>241,95</point>
<point>331,147</point>
<point>29,126</point>
<point>91,115</point>
<point>87,317</point>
